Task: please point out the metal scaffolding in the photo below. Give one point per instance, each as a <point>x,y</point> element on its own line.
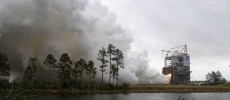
<point>178,65</point>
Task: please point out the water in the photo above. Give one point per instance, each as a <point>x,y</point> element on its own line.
<point>139,96</point>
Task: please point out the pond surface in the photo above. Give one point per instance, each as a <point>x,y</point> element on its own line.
<point>139,96</point>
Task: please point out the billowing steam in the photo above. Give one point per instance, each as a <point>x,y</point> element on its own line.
<point>35,28</point>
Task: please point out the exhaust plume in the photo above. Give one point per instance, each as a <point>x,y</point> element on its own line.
<point>35,28</point>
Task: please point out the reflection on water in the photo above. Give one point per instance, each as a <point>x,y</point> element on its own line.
<point>139,96</point>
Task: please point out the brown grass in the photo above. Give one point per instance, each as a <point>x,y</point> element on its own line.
<point>139,89</point>
<point>177,88</point>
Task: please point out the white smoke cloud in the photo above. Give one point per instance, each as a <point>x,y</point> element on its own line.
<point>138,63</point>
<point>35,28</point>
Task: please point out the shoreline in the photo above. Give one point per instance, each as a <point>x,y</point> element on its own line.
<point>131,89</point>
<point>177,88</point>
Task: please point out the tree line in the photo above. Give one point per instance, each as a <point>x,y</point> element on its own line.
<point>69,72</point>
<point>214,78</point>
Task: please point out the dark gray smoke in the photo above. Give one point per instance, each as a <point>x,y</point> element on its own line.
<point>35,28</point>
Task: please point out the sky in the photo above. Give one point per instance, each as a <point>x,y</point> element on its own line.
<point>139,28</point>
<point>162,24</point>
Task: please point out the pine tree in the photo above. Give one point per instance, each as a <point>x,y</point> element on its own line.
<point>214,78</point>
<point>51,62</point>
<point>64,71</point>
<point>4,65</point>
<point>91,70</point>
<point>119,63</point>
<point>28,73</point>
<point>110,52</point>
<point>31,69</point>
<point>102,57</point>
<point>80,66</point>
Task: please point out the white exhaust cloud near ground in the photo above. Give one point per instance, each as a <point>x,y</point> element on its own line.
<point>35,28</point>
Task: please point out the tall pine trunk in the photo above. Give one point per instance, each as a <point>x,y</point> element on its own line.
<point>81,77</point>
<point>49,78</point>
<point>113,79</point>
<point>90,81</point>
<point>102,55</point>
<point>110,68</point>
<point>117,74</point>
<point>102,76</point>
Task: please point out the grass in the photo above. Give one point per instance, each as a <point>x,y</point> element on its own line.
<point>225,84</point>
<point>177,88</point>
<point>145,89</point>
